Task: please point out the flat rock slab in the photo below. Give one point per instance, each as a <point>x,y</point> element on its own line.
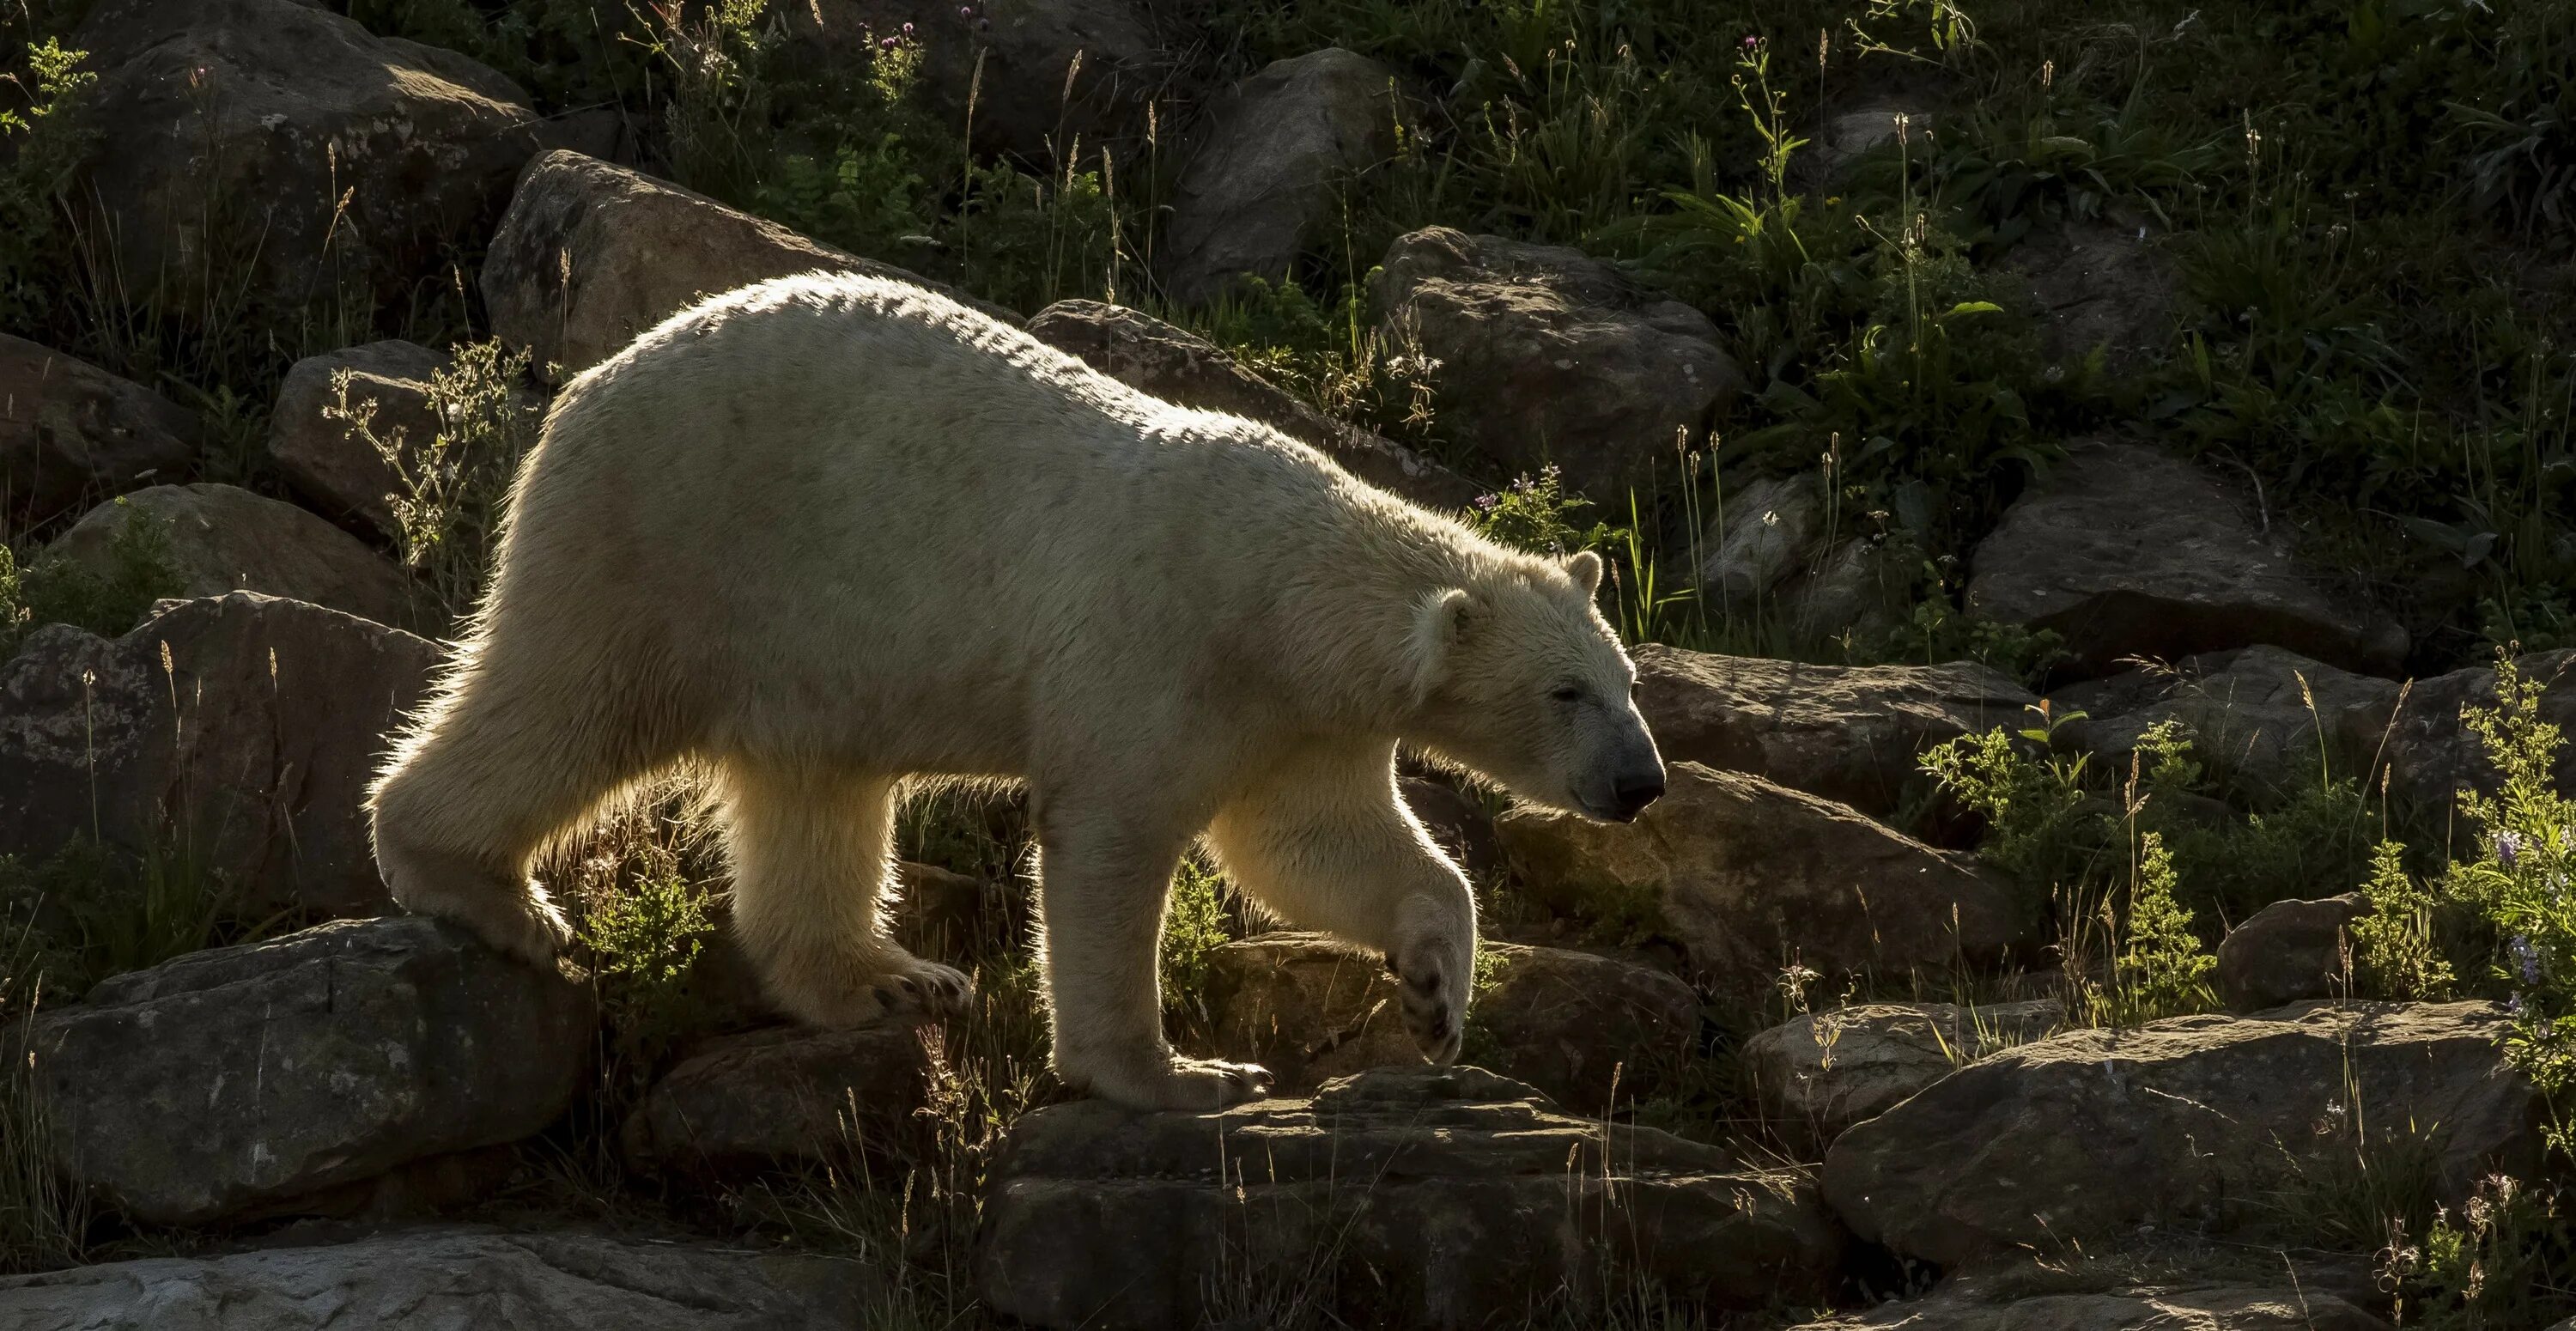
<point>1819,1075</point>
<point>2163,1308</point>
<point>2125,550</point>
<point>241,1079</point>
<point>2179,1125</point>
<point>1581,1028</point>
<point>1848,733</point>
<point>452,1280</point>
<point>242,727</point>
<point>1746,873</point>
<point>1426,1198</point>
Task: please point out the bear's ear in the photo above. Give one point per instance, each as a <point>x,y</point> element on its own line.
<point>1585,568</point>
<point>1437,627</point>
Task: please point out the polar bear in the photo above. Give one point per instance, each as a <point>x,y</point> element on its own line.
<point>828,534</point>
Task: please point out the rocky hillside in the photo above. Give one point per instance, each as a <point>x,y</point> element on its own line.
<point>2085,487</point>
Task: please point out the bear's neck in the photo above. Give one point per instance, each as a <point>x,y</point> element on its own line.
<point>1351,608</point>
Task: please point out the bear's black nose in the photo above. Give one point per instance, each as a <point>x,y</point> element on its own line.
<point>1633,793</point>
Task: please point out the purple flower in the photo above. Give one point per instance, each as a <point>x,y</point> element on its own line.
<point>2526,957</point>
<point>2513,1005</point>
<point>907,30</point>
<point>2508,848</point>
<point>965,11</point>
<point>1486,503</point>
<point>887,43</point>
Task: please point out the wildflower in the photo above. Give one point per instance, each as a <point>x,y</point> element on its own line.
<point>2508,848</point>
<point>1486,503</point>
<point>2513,1005</point>
<point>2526,958</point>
<point>907,30</point>
<point>886,43</point>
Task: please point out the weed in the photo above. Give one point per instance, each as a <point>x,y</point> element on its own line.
<point>109,601</point>
<point>1195,924</point>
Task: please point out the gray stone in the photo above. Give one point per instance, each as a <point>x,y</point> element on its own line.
<point>250,751</point>
<point>1544,355</point>
<point>2180,1126</point>
<point>1422,1198</point>
<point>2431,753</point>
<point>2127,551</point>
<point>1750,875</point>
<point>1762,533</point>
<point>1154,357</point>
<point>1850,733</point>
<point>2179,1306</point>
<point>224,539</point>
<point>1843,138</point>
<point>2096,285</point>
<point>1820,1074</point>
<point>1578,1026</point>
<point>785,1096</point>
<point>335,160</point>
<point>451,1279</point>
<point>1262,184</point>
<point>2288,951</point>
<point>590,255</point>
<point>2271,719</point>
<point>241,1079</point>
<point>342,475</point>
<point>71,432</point>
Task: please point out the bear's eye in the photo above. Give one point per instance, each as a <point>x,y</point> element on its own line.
<point>1567,693</point>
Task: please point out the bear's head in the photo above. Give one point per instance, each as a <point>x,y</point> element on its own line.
<point>1519,678</point>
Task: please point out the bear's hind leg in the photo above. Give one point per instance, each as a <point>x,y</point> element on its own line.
<point>812,851</point>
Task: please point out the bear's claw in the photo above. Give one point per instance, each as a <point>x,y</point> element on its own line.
<point>1434,987</point>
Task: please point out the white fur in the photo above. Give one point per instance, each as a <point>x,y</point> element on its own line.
<point>826,533</point>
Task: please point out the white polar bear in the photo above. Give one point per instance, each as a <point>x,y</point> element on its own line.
<point>827,533</point>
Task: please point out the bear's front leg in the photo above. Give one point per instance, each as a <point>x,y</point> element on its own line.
<point>1326,842</point>
<point>1102,888</point>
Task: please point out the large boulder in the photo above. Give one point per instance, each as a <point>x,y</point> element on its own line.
<point>339,473</point>
<point>2096,285</point>
<point>2125,550</point>
<point>239,732</point>
<point>1033,79</point>
<point>590,255</point>
<point>248,1078</point>
<point>1262,183</point>
<point>2289,951</point>
<point>71,432</point>
<point>1180,367</point>
<point>2271,719</point>
<point>1760,535</point>
<point>1575,1025</point>
<point>1818,1075</point>
<point>1424,1198</point>
<point>1749,876</point>
<point>2177,1305</point>
<point>332,160</point>
<point>2432,755</point>
<point>454,1277</point>
<point>1850,733</point>
<point>223,538</point>
<point>784,1096</point>
<point>1545,355</point>
<point>2181,1125</point>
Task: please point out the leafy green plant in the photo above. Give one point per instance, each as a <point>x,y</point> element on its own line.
<point>90,911</point>
<point>1195,924</point>
<point>2162,967</point>
<point>139,572</point>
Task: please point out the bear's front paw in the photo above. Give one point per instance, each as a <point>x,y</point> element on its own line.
<point>1434,975</point>
<point>889,986</point>
<point>1192,1084</point>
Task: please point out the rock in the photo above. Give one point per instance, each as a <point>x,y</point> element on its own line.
<point>2096,284</point>
<point>454,1278</point>
<point>1750,875</point>
<point>243,1078</point>
<point>590,255</point>
<point>2432,755</point>
<point>2288,951</point>
<point>1546,355</point>
<point>1820,1074</point>
<point>252,751</point>
<point>1458,823</point>
<point>1570,1023</point>
<point>71,432</point>
<point>335,161</point>
<point>223,539</point>
<point>2127,551</point>
<point>1762,532</point>
<point>782,1097</point>
<point>1147,354</point>
<point>1858,592</point>
<point>340,474</point>
<point>1417,1198</point>
<point>1055,74</point>
<point>2187,1125</point>
<point>2249,713</point>
<point>2174,1307</point>
<point>1262,186</point>
<point>1845,137</point>
<point>1848,733</point>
